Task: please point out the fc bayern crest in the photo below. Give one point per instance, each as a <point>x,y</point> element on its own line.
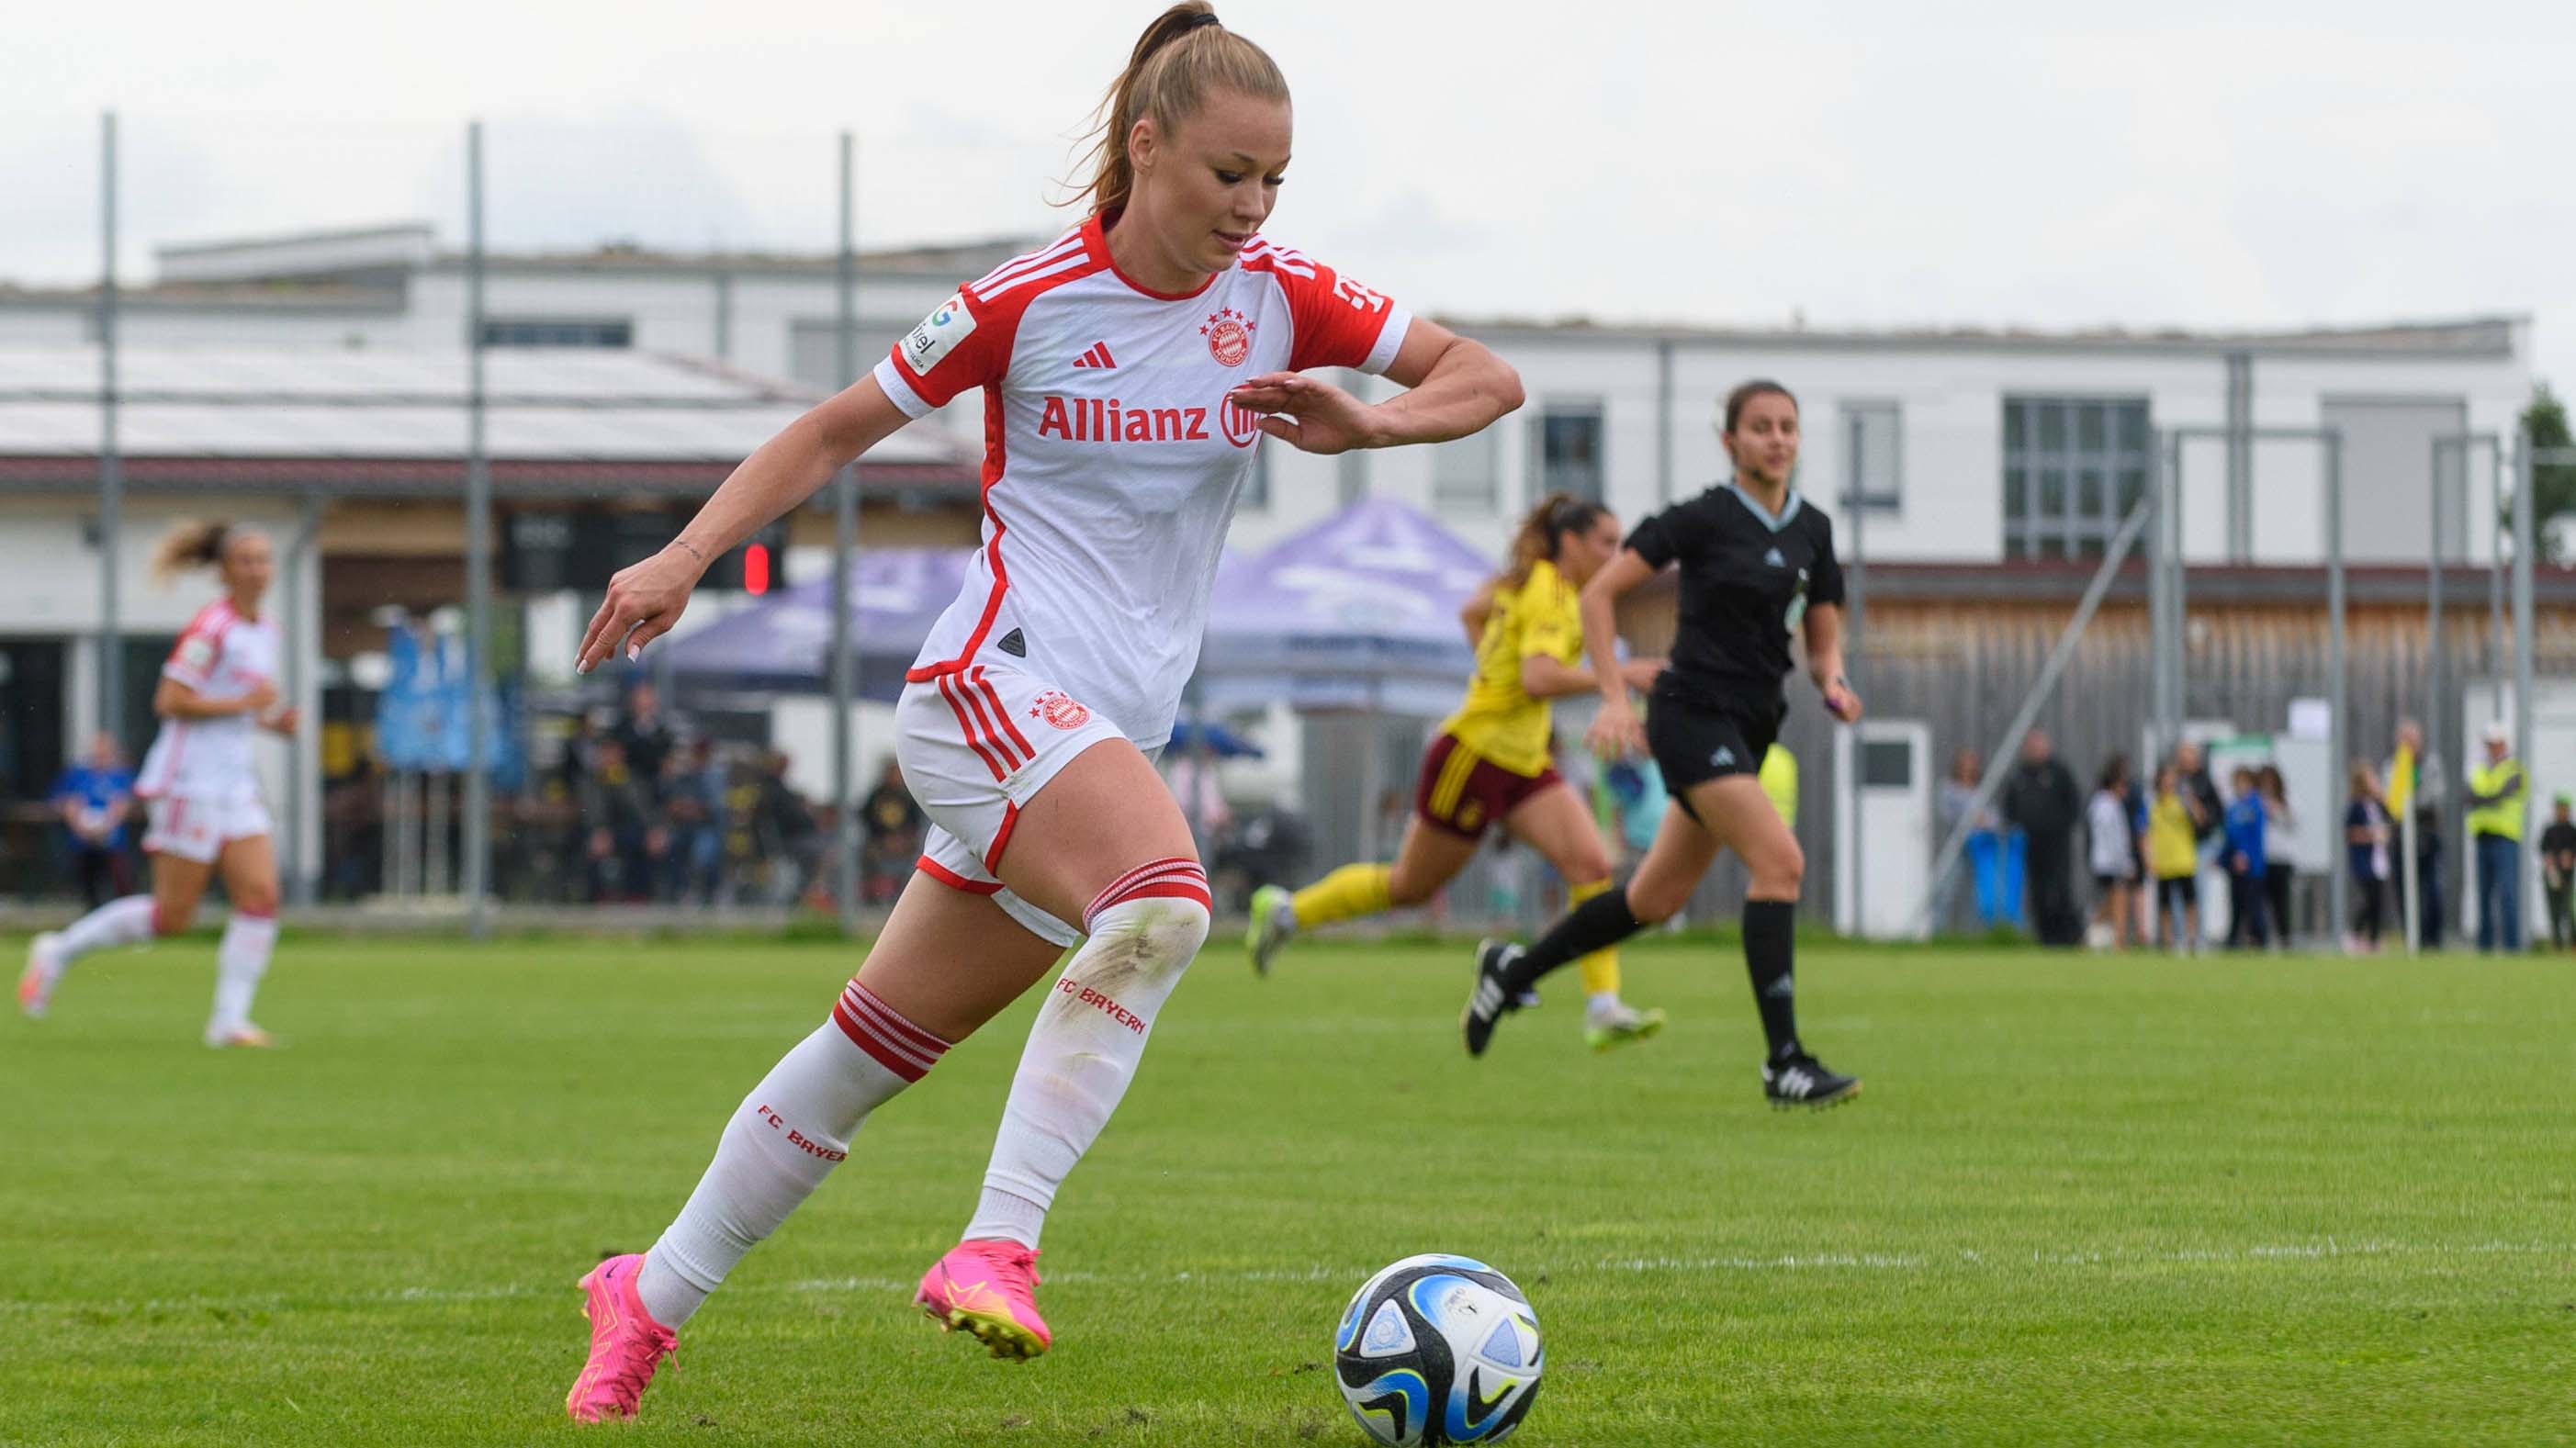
<point>1060,709</point>
<point>1229,336</point>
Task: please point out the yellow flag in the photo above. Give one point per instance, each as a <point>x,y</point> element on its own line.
<point>2401,783</point>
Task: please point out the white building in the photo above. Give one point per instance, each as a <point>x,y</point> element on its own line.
<point>1996,447</point>
<point>2001,444</point>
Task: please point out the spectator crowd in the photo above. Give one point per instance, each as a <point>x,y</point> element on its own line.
<point>2149,839</point>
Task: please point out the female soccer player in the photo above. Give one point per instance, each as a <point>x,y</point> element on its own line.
<point>199,788</point>
<point>1489,763</point>
<point>1757,566</point>
<point>1128,371</point>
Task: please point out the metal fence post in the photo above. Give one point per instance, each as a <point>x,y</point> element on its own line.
<point>2526,549</point>
<point>845,544</point>
<point>111,459</point>
<point>477,841</point>
<point>2339,693</point>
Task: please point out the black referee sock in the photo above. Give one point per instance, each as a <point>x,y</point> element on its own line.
<point>1771,958</point>
<point>1596,924</point>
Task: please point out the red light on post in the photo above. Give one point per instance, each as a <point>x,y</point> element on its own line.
<point>755,568</point>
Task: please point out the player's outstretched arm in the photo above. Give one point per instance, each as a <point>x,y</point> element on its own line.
<point>1454,387</point>
<point>646,599</point>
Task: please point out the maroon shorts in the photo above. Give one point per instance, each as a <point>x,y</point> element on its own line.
<point>1463,792</point>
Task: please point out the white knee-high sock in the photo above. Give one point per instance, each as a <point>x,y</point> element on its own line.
<point>787,1135</point>
<point>240,960</point>
<point>118,922</point>
<point>1089,1036</point>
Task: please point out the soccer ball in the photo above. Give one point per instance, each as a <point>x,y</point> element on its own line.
<point>1438,1349</point>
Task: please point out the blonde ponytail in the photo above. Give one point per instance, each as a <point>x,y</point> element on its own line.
<point>1181,57</point>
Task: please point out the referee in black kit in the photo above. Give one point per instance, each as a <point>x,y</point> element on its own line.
<point>1757,566</point>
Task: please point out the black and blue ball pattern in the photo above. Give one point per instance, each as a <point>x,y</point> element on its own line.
<point>1438,1349</point>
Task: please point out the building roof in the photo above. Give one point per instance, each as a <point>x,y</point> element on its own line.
<point>386,420</point>
<point>2484,338</point>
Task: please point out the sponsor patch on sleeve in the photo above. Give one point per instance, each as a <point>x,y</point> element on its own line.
<point>938,333</point>
<point>197,652</point>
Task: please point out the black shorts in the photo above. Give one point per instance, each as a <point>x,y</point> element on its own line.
<point>2178,892</point>
<point>1694,745</point>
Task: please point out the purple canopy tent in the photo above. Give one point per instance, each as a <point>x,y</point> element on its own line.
<point>1358,612</point>
<point>782,644</point>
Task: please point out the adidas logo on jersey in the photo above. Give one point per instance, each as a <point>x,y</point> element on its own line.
<point>1098,356</point>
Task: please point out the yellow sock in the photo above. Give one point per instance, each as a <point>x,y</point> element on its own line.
<point>1346,894</point>
<point>1600,968</point>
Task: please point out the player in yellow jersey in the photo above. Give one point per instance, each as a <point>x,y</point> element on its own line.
<point>1491,761</point>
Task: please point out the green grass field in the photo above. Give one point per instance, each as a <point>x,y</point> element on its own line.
<point>2227,1201</point>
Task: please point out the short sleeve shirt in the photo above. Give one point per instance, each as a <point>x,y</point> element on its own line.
<point>1499,719</point>
<point>1748,578</point>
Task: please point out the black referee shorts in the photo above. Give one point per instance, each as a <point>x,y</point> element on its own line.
<point>1693,745</point>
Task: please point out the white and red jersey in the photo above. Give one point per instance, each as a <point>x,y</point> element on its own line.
<point>1112,459</point>
<point>221,656</point>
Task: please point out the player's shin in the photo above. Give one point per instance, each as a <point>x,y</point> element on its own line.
<point>1089,1036</point>
<point>1596,924</point>
<point>784,1139</point>
<point>240,960</point>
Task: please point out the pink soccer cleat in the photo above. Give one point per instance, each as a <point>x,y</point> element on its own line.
<point>36,982</point>
<point>245,1035</point>
<point>988,1286</point>
<point>626,1344</point>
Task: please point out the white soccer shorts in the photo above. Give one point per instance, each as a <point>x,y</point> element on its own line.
<point>975,745</point>
<point>197,827</point>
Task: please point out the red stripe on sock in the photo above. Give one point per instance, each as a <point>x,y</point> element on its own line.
<point>874,1029</point>
<point>866,1040</point>
<point>1149,868</point>
<point>1172,879</point>
<point>919,1039</point>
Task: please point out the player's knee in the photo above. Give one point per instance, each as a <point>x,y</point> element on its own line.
<point>1586,862</point>
<point>259,904</point>
<point>1160,911</point>
<point>1778,873</point>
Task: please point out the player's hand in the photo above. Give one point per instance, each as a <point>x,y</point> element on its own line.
<point>1641,673</point>
<point>257,702</point>
<point>1615,732</point>
<point>644,601</point>
<point>284,721</point>
<point>1841,702</point>
<point>1307,413</point>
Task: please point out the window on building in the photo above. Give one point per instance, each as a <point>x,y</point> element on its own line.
<point>558,332</point>
<point>1873,455</point>
<point>1467,475</point>
<point>1566,438</point>
<point>2073,468</point>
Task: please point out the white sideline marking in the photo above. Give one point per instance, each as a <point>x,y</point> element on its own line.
<point>2291,1253</point>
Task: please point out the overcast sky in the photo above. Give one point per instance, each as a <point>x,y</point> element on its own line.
<point>2178,163</point>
